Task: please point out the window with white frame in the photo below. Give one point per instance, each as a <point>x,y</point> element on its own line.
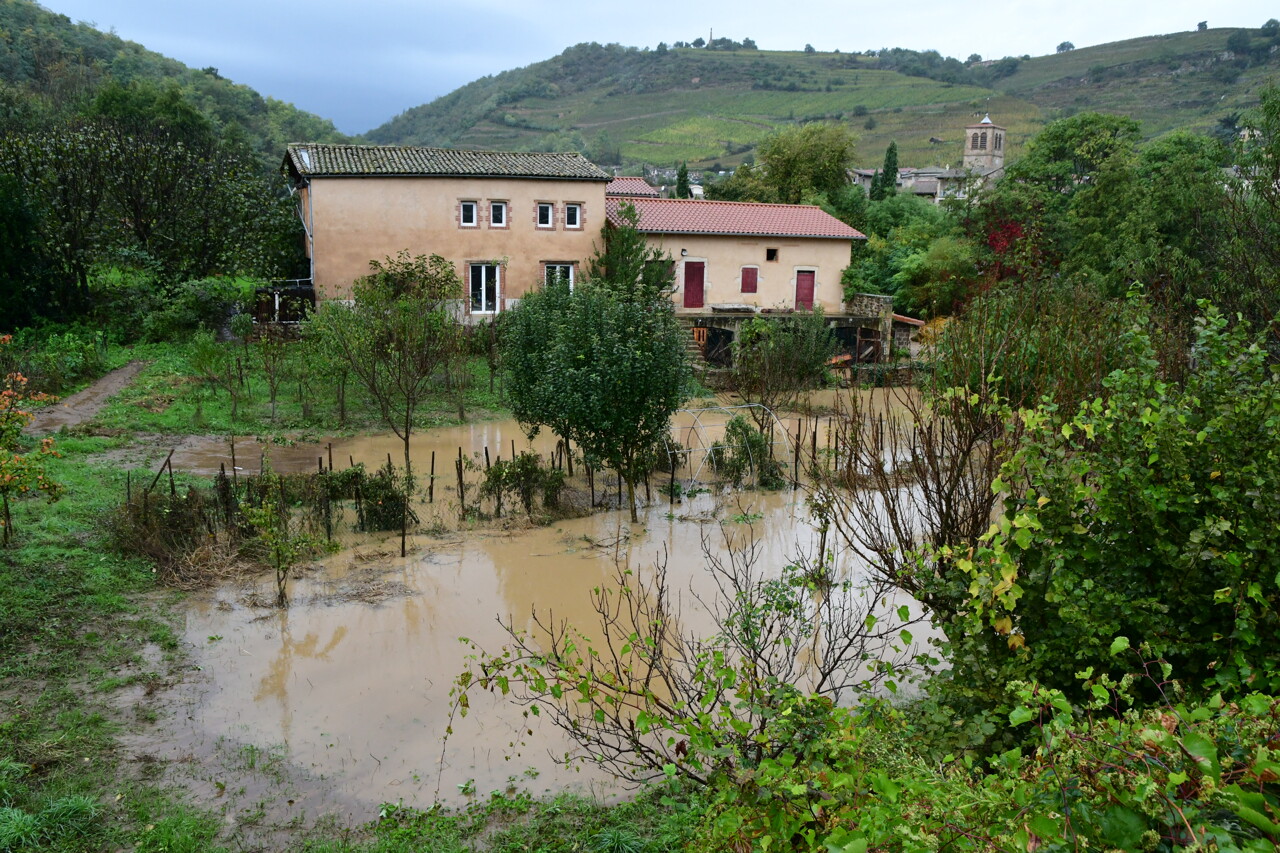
<point>546,215</point>
<point>497,214</point>
<point>573,216</point>
<point>485,287</point>
<point>559,272</point>
<point>468,214</point>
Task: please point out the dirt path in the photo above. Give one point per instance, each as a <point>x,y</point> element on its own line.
<point>83,405</point>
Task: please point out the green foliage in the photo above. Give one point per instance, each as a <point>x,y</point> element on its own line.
<point>747,451</point>
<point>885,182</point>
<point>279,532</point>
<point>22,471</point>
<point>775,358</point>
<point>628,267</point>
<point>524,478</point>
<point>1147,513</point>
<point>1054,340</point>
<point>597,368</point>
<point>802,161</point>
<point>682,182</point>
<point>1172,778</point>
<point>399,333</point>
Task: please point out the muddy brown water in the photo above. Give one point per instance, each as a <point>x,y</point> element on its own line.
<point>341,702</point>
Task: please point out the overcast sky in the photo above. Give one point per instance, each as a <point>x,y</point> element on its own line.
<point>361,62</point>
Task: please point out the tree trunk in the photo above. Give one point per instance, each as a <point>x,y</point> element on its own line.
<point>408,491</point>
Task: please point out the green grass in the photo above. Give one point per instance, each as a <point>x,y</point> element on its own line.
<point>72,627</point>
<point>167,397</point>
<point>651,822</point>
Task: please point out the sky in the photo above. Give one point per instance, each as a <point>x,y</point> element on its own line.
<point>362,62</point>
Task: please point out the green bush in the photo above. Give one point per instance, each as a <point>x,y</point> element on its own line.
<point>200,304</point>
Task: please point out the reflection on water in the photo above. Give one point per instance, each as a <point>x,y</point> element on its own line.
<point>351,683</point>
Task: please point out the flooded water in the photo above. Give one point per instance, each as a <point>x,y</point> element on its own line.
<point>345,694</point>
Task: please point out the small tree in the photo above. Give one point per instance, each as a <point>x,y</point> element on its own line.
<point>396,337</point>
<point>775,359</point>
<point>1065,46</point>
<point>627,266</point>
<point>885,182</point>
<point>682,182</point>
<point>604,365</point>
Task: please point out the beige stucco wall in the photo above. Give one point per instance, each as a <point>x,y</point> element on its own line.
<point>354,220</point>
<point>776,287</point>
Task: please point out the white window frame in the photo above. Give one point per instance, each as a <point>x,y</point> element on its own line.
<point>500,208</point>
<point>550,209</point>
<point>573,216</point>
<point>474,207</point>
<point>558,265</point>
<point>485,305</point>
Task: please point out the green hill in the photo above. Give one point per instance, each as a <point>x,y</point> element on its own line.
<point>50,66</point>
<point>623,105</point>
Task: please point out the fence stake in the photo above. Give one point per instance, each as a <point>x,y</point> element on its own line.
<point>320,464</point>
<point>161,471</point>
<point>431,483</point>
<point>331,456</point>
<point>486,457</point>
<point>795,463</point>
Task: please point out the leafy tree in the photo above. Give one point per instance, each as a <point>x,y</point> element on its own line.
<point>603,365</point>
<point>776,358</point>
<point>1148,515</point>
<point>885,182</point>
<point>627,266</point>
<point>1270,29</point>
<point>399,334</point>
<point>682,182</point>
<point>1065,46</point>
<point>1239,42</point>
<point>26,288</point>
<point>806,160</point>
<point>602,371</point>
<point>1202,26</point>
<point>699,42</point>
<point>1251,254</point>
<point>808,48</point>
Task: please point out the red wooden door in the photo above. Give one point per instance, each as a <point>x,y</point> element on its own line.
<point>693,278</point>
<point>804,289</point>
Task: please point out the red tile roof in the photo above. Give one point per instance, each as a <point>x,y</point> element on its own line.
<point>736,218</point>
<point>630,186</point>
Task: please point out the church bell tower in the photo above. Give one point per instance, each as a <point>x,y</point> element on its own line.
<point>984,147</point>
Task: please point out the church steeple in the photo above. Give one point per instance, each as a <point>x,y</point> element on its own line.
<point>984,146</point>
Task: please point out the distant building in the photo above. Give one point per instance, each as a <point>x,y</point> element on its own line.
<point>982,160</point>
<point>628,186</point>
<point>984,147</point>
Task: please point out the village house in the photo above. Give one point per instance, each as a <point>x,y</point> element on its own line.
<point>506,221</point>
<point>734,260</point>
<point>509,222</point>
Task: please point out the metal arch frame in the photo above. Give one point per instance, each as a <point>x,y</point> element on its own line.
<point>696,428</point>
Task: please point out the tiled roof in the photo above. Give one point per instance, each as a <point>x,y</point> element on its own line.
<point>739,218</point>
<point>309,159</point>
<point>631,186</point>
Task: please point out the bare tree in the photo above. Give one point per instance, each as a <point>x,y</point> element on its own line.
<point>646,692</point>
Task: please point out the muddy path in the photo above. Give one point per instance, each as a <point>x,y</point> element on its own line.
<point>81,406</point>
